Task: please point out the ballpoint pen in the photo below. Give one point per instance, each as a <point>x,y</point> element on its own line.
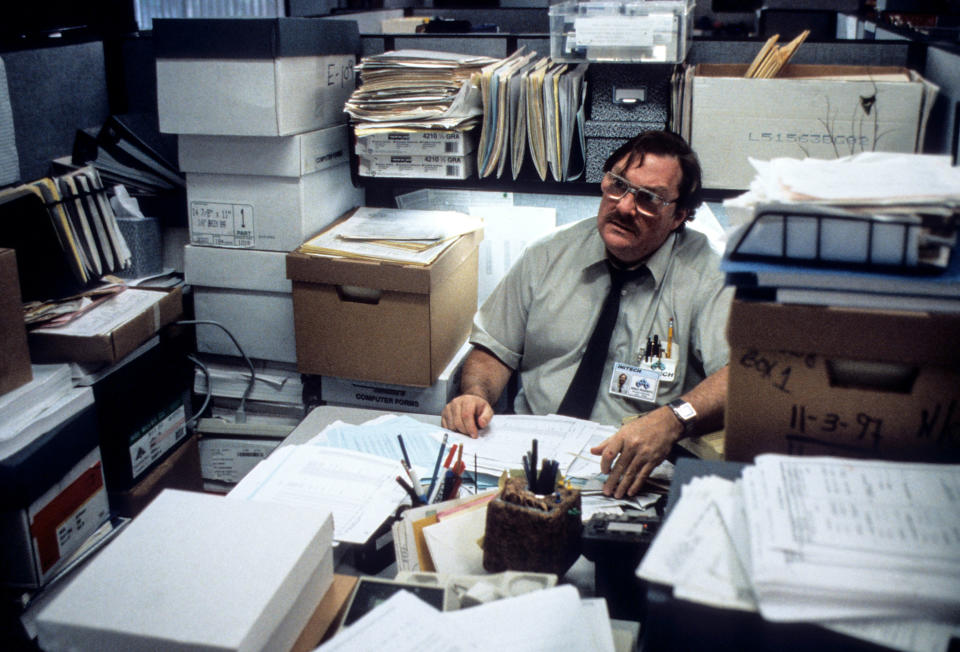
<point>436,468</point>
<point>403,449</point>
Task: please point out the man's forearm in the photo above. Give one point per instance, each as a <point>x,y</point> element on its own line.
<point>709,398</point>
<point>484,375</point>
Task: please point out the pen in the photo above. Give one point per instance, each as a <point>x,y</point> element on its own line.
<point>476,476</point>
<point>403,449</point>
<point>669,338</point>
<point>533,466</point>
<point>453,450</point>
<point>417,500</point>
<point>414,480</point>
<point>436,468</point>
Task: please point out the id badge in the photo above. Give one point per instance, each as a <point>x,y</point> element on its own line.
<point>634,382</point>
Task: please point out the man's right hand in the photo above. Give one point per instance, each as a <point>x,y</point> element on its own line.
<point>468,414</point>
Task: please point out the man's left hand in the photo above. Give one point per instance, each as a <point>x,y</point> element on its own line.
<point>634,451</point>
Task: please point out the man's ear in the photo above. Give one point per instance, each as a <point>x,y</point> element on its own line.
<point>679,218</point>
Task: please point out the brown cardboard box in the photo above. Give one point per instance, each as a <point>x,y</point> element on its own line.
<point>14,353</point>
<point>817,380</point>
<point>74,343</point>
<point>815,111</point>
<point>325,620</point>
<point>407,336</point>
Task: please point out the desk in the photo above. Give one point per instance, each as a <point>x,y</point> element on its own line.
<point>580,575</point>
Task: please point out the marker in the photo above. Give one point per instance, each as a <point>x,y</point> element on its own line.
<point>414,480</point>
<point>669,338</point>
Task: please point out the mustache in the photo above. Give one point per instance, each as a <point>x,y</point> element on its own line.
<point>624,222</point>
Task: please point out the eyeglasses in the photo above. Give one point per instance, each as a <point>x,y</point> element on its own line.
<point>615,187</point>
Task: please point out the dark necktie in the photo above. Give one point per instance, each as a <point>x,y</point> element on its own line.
<point>582,392</point>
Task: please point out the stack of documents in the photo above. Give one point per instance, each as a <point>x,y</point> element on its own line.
<point>414,237</point>
<point>75,207</point>
<point>866,548</point>
<point>871,230</point>
<point>551,619</point>
<point>531,99</point>
<point>416,88</point>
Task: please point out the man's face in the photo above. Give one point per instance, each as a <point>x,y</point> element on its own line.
<point>629,233</point>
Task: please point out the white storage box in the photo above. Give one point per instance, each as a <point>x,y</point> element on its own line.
<point>419,143</point>
<point>621,31</point>
<point>399,398</point>
<point>283,156</point>
<point>431,166</point>
<point>199,572</point>
<point>248,292</point>
<point>253,77</point>
<point>267,212</point>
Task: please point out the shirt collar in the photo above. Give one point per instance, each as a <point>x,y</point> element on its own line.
<point>657,262</point>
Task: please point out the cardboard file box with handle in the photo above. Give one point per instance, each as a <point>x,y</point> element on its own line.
<point>382,321</point>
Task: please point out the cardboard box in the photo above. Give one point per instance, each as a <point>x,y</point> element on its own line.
<point>816,380</point>
<point>446,141</point>
<point>282,156</point>
<point>323,624</point>
<point>52,491</point>
<point>230,285</point>
<point>143,403</point>
<point>266,212</point>
<point>111,330</point>
<point>181,470</point>
<point>190,572</point>
<point>406,335</point>
<point>253,77</point>
<point>14,353</point>
<point>430,166</point>
<point>816,111</point>
<point>227,459</point>
<point>399,398</point>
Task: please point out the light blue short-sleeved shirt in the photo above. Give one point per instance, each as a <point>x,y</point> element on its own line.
<point>539,318</point>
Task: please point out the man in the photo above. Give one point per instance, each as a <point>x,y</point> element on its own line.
<point>669,333</point>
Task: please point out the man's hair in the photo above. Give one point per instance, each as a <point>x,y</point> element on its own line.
<point>665,143</point>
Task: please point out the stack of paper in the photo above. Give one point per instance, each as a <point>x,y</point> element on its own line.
<point>867,548</point>
<point>871,230</point>
<point>414,237</point>
<point>551,619</point>
<point>421,88</point>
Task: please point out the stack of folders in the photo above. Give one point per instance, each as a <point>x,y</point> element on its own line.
<point>861,547</point>
<point>413,237</point>
<point>79,229</point>
<point>874,230</point>
<point>413,113</point>
<point>531,99</point>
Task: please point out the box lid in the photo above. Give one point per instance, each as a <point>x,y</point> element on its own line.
<point>286,156</point>
<point>252,38</point>
<point>240,269</point>
<point>381,275</point>
<point>846,333</point>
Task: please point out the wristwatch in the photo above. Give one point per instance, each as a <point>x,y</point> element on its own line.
<point>685,414</point>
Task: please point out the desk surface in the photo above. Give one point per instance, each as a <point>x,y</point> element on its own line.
<point>580,575</point>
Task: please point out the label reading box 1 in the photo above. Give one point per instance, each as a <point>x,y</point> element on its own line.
<point>222,224</point>
<point>156,437</point>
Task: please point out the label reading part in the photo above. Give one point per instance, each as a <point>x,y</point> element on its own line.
<point>221,224</point>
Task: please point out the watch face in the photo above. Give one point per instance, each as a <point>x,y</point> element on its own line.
<point>686,411</point>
